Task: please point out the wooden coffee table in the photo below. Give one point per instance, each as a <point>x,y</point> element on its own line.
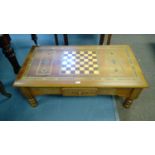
<point>81,71</point>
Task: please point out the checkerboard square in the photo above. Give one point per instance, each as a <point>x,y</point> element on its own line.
<point>72,68</point>
<point>81,62</point>
<point>68,72</point>
<point>96,72</point>
<point>77,65</point>
<point>91,69</point>
<point>81,68</point>
<point>72,72</point>
<point>64,62</point>
<point>94,60</point>
<point>90,62</point>
<point>77,72</point>
<point>91,72</point>
<point>65,52</point>
<point>86,72</point>
<point>65,57</point>
<point>81,72</point>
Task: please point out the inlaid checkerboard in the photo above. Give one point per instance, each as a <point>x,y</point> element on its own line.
<point>79,62</point>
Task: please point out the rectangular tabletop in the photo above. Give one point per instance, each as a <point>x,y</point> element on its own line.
<point>81,66</point>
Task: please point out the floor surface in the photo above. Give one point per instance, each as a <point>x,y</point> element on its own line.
<point>143,108</point>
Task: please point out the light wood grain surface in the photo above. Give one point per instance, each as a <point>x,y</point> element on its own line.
<point>117,64</point>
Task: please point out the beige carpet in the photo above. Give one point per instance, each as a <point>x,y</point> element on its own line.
<point>143,108</point>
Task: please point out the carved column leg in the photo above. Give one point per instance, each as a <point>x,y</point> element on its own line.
<point>133,95</point>
<point>56,39</point>
<point>31,99</point>
<point>35,39</point>
<point>65,39</point>
<point>3,91</point>
<point>8,51</point>
<point>127,103</point>
<point>102,36</point>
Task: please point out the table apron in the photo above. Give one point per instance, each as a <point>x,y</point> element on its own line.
<point>124,92</point>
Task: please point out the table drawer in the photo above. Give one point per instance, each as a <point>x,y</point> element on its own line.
<point>45,91</point>
<point>115,91</point>
<point>79,91</point>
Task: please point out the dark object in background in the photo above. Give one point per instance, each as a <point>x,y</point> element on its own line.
<point>109,39</point>
<point>8,51</point>
<point>65,39</point>
<point>35,39</point>
<point>56,39</point>
<point>101,41</point>
<point>102,36</point>
<point>3,91</point>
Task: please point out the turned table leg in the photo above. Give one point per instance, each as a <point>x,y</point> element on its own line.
<point>127,103</point>
<point>133,95</point>
<point>30,97</point>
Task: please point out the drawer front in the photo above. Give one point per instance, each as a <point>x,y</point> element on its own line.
<point>45,91</point>
<point>115,91</point>
<point>79,91</point>
<point>107,91</point>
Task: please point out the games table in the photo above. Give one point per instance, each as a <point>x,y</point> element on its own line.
<point>81,71</point>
